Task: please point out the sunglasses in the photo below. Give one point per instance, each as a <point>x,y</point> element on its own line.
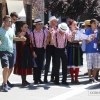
<point>9,21</point>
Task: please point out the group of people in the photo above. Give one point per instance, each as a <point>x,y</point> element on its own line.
<point>61,42</point>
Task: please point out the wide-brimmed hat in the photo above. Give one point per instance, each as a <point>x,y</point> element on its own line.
<point>37,21</point>
<point>63,27</point>
<point>52,18</point>
<point>86,22</point>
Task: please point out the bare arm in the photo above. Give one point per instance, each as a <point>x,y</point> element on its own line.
<point>19,38</point>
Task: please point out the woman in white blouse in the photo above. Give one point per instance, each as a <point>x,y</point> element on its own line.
<point>75,60</point>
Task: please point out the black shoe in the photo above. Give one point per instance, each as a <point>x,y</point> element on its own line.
<point>40,81</point>
<point>65,83</point>
<point>86,73</point>
<point>9,84</point>
<point>90,80</point>
<point>77,82</point>
<point>56,83</point>
<point>45,81</point>
<point>52,80</point>
<point>35,82</point>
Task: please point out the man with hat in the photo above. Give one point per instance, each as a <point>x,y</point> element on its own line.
<point>50,48</point>
<point>39,44</point>
<point>60,40</point>
<point>86,25</point>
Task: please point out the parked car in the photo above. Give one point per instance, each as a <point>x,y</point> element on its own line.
<point>79,24</point>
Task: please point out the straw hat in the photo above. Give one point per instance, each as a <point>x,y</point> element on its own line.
<point>86,22</point>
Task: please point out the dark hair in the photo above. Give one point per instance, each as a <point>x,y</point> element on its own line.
<point>5,17</point>
<point>14,14</point>
<point>22,24</point>
<point>93,20</point>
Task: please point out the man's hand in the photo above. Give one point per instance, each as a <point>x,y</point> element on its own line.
<point>51,31</point>
<point>93,36</point>
<point>23,38</point>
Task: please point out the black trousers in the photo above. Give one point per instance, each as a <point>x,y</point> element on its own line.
<point>60,54</point>
<point>39,61</point>
<point>49,53</point>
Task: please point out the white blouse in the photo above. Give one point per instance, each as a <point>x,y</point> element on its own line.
<point>80,36</point>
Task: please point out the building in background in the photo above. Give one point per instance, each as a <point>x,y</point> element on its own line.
<point>24,8</point>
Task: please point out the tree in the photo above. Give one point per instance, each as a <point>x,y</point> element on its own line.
<point>38,5</point>
<point>74,8</point>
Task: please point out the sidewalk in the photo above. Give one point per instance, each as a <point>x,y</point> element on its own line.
<point>50,91</point>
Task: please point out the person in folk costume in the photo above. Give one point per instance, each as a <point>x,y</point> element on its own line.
<point>38,37</point>
<point>75,51</point>
<point>50,48</point>
<point>24,62</point>
<point>59,39</point>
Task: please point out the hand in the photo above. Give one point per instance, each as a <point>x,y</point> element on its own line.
<point>74,32</point>
<point>34,55</point>
<point>93,36</point>
<point>80,41</point>
<point>51,31</point>
<point>23,38</point>
<point>22,34</point>
<point>0,43</point>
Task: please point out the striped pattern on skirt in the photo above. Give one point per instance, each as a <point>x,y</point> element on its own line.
<point>75,55</point>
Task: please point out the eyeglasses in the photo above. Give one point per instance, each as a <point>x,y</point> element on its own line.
<point>9,21</point>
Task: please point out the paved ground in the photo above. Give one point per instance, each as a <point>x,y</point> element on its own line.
<point>50,91</point>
